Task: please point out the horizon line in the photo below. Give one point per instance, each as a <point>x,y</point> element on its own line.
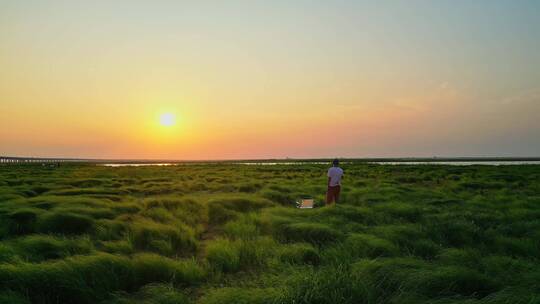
<point>316,159</point>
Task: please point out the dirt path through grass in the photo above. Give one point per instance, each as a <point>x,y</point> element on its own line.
<point>207,236</point>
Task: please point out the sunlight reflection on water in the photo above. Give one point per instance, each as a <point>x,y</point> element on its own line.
<point>136,164</point>
<point>461,163</point>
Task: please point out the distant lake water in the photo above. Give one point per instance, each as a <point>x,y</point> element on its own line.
<point>450,163</point>
<point>136,164</point>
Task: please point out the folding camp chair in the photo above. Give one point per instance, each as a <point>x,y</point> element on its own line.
<point>305,203</point>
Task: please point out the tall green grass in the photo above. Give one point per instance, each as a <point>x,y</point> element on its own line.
<point>226,233</point>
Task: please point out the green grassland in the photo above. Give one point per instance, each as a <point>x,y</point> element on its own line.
<point>224,233</point>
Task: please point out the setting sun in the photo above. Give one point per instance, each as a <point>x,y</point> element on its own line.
<point>167,119</point>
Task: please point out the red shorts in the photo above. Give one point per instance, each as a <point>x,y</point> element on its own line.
<point>332,194</point>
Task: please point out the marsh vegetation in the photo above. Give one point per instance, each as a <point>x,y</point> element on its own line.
<point>224,233</point>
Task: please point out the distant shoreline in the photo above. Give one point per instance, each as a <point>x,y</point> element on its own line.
<point>15,159</point>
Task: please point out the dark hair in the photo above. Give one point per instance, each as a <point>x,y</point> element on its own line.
<point>335,162</point>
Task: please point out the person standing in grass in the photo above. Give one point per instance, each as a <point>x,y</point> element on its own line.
<point>335,174</point>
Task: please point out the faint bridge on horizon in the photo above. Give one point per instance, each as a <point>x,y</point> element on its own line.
<point>17,160</point>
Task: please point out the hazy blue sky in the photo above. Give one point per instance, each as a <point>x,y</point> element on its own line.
<point>254,79</point>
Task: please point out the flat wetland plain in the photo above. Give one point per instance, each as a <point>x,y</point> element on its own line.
<point>229,233</point>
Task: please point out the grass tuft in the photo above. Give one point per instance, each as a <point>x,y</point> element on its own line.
<point>65,223</point>
<point>166,239</point>
<point>299,253</point>
<point>231,295</point>
<point>223,255</point>
<point>318,234</point>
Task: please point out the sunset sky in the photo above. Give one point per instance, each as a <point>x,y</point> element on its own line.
<point>269,79</point>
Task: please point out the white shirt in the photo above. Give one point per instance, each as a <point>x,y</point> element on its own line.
<point>335,174</point>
